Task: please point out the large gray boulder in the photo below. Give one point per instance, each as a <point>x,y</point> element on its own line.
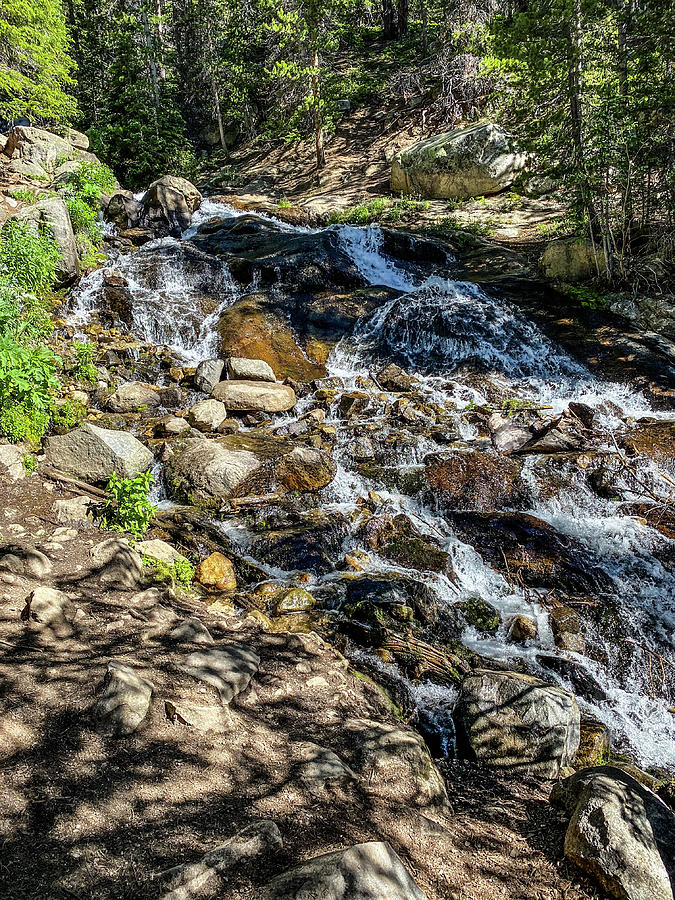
<point>229,669</point>
<point>52,212</point>
<point>134,395</point>
<point>168,205</point>
<point>35,152</point>
<point>255,396</point>
<point>620,832</point>
<point>203,471</point>
<point>395,762</point>
<point>467,162</point>
<point>371,871</point>
<point>575,260</point>
<point>208,374</point>
<point>93,454</point>
<point>517,722</point>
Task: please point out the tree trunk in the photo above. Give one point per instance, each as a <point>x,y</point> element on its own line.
<point>214,90</point>
<point>316,112</point>
<point>402,16</point>
<point>388,24</point>
<point>425,27</point>
<point>151,61</point>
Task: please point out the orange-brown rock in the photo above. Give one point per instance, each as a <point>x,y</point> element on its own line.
<point>216,573</point>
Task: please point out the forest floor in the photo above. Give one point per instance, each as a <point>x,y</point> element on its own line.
<point>358,165</point>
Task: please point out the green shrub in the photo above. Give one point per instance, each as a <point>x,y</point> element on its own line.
<point>25,195</point>
<point>26,374</point>
<point>180,574</point>
<point>128,508</point>
<point>18,423</point>
<point>84,218</point>
<point>91,179</point>
<point>67,415</point>
<point>23,317</point>
<point>29,463</point>
<point>28,257</point>
<point>85,370</point>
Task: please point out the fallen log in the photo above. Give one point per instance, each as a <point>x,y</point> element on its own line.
<point>68,480</point>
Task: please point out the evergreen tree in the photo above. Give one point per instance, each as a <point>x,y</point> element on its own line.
<point>35,66</point>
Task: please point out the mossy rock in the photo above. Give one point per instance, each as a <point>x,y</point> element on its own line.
<point>481,615</point>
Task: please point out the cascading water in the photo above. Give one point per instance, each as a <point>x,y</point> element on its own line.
<point>446,332</point>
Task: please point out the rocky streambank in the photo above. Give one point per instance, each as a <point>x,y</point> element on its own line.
<point>434,569</point>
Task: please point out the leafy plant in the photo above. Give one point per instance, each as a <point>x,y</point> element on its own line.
<point>587,296</point>
<point>284,203</point>
<point>128,508</point>
<point>26,374</point>
<point>67,415</point>
<point>24,317</point>
<point>28,257</point>
<point>18,423</point>
<point>25,195</point>
<point>29,463</point>
<point>85,370</point>
<point>180,574</point>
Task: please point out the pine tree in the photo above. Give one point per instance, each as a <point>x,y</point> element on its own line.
<point>35,65</point>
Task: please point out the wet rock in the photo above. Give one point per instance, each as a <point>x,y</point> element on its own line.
<point>522,629</point>
<point>654,439</point>
<point>255,396</point>
<point>204,471</point>
<point>72,512</point>
<point>124,210</point>
<point>363,872</point>
<point>119,300</point>
<point>524,547</point>
<point>282,600</point>
<point>133,396</point>
<point>476,480</point>
<point>388,756</point>
<point>11,462</point>
<point>24,561</point>
<point>594,748</point>
<point>304,469</point>
<point>566,627</point>
<point>208,374</point>
<point>353,403</point>
<point>480,614</point>
<point>228,669</point>
<point>93,454</point>
<point>117,564</point>
<point>393,378</point>
<point>171,426</point>
<point>311,545</point>
<point>467,162</point>
<point>209,876</point>
<point>168,205</point>
<point>207,415</point>
<point>390,592</point>
<point>124,701</point>
<point>517,722</point>
<point>254,328</point>
<point>508,436</point>
<point>49,610</point>
<point>216,573</point>
<point>620,832</point>
<point>242,369</point>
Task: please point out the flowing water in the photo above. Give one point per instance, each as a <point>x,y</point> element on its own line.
<point>446,332</point>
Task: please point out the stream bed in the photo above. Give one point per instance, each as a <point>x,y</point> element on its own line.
<point>420,375</point>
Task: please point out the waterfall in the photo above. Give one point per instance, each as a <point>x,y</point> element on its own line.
<point>460,341</point>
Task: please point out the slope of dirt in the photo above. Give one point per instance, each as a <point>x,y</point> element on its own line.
<point>88,815</point>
